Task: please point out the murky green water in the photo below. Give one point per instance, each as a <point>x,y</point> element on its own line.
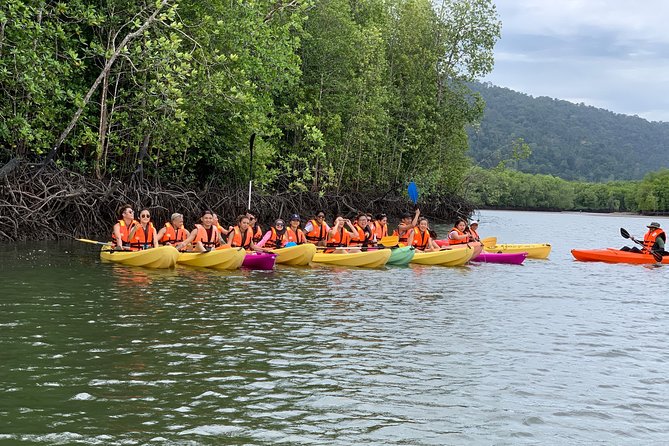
<point>551,352</point>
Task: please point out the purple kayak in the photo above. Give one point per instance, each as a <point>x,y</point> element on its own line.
<point>515,258</point>
<point>259,260</point>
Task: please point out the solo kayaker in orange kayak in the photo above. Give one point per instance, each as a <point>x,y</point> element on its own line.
<point>653,241</point>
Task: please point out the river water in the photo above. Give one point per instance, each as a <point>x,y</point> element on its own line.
<point>550,352</point>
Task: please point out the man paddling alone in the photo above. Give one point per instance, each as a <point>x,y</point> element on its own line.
<point>653,240</point>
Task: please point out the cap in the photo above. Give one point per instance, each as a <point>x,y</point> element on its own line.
<point>473,222</point>
<point>653,225</point>
<point>295,217</point>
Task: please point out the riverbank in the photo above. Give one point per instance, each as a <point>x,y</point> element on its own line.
<point>49,203</point>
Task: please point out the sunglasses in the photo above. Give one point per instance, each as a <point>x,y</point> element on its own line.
<point>145,216</point>
<point>279,224</point>
<point>320,216</point>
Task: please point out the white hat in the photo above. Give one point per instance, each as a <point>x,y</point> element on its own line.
<point>473,222</point>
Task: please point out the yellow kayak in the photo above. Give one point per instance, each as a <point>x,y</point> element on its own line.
<point>533,250</point>
<point>298,255</point>
<point>445,257</point>
<point>227,258</point>
<point>161,257</point>
<point>367,259</point>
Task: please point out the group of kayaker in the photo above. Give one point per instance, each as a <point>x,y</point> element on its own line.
<point>365,231</point>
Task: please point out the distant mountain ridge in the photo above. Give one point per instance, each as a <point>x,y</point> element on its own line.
<point>571,141</point>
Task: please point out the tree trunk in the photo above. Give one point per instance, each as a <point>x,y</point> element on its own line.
<point>105,72</point>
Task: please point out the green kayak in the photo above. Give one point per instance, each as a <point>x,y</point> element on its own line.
<point>401,256</point>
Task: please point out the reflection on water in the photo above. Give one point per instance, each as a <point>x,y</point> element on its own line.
<point>98,353</point>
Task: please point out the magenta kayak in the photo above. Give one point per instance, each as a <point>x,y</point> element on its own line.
<point>259,260</point>
<point>515,258</point>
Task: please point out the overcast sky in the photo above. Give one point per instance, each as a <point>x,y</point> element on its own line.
<point>611,54</point>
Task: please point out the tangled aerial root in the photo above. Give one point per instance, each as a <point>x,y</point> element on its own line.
<point>40,202</point>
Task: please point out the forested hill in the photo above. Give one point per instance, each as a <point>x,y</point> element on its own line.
<point>574,142</point>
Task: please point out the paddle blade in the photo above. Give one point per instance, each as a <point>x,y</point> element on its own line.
<point>413,192</point>
<point>657,256</point>
<point>389,240</point>
<point>489,242</point>
<point>624,233</point>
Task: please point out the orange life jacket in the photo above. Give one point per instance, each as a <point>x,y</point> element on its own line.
<point>420,239</point>
<point>403,237</point>
<point>237,241</point>
<point>296,237</point>
<point>363,238</point>
<point>125,232</point>
<point>257,233</point>
<point>650,237</point>
<point>380,230</point>
<point>317,233</point>
<point>474,234</point>
<point>208,242</point>
<point>340,238</point>
<point>172,236</point>
<point>143,239</point>
<point>274,241</point>
<point>457,242</point>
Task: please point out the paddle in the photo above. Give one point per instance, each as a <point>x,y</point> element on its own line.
<point>95,242</point>
<point>253,138</point>
<point>656,255</point>
<point>413,192</point>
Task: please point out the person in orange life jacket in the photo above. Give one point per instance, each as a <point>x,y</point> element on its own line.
<point>294,233</point>
<point>242,235</point>
<point>421,238</point>
<point>653,241</point>
<point>340,235</point>
<point>380,226</point>
<point>403,230</point>
<point>472,230</point>
<point>255,227</point>
<point>221,230</point>
<point>458,235</point>
<point>126,221</point>
<point>143,235</point>
<point>274,238</point>
<point>173,232</point>
<point>364,236</point>
<point>204,237</point>
<point>317,231</point>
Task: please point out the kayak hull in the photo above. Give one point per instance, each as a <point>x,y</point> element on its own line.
<point>401,256</point>
<point>511,258</point>
<point>533,250</point>
<point>298,255</point>
<point>221,259</point>
<point>259,260</point>
<point>445,257</point>
<point>159,258</point>
<point>363,259</point>
<point>612,255</point>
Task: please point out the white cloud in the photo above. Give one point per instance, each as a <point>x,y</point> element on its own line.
<point>609,54</point>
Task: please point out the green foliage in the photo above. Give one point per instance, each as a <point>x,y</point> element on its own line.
<point>575,142</point>
<point>343,95</point>
<point>507,188</point>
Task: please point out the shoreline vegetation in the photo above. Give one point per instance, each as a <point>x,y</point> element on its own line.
<point>48,203</point>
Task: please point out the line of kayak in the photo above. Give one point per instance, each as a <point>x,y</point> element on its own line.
<point>306,254</point>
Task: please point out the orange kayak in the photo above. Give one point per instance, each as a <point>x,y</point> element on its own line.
<point>612,255</point>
